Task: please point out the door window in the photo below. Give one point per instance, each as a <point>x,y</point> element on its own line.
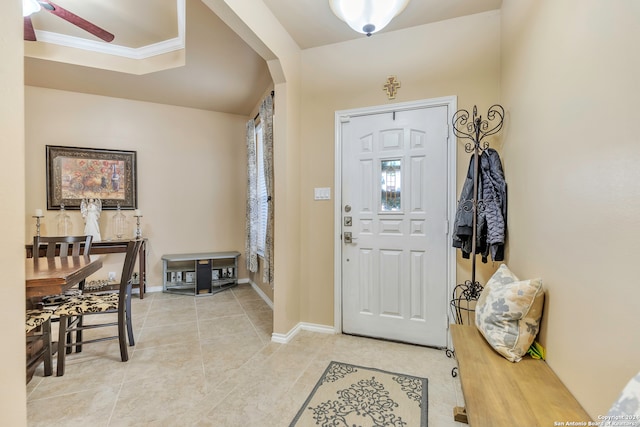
<point>391,185</point>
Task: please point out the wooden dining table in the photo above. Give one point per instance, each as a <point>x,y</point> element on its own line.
<point>50,276</point>
<point>113,247</point>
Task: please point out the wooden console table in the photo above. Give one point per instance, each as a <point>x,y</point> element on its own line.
<point>114,247</point>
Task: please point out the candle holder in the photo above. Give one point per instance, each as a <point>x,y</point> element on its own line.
<point>138,233</point>
<point>37,217</point>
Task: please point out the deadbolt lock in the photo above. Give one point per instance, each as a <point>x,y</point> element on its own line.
<point>347,221</point>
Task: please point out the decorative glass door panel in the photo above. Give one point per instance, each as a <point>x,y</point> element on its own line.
<point>391,185</point>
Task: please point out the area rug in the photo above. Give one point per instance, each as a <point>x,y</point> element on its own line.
<point>348,395</point>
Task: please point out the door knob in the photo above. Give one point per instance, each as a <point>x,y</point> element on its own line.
<point>348,237</point>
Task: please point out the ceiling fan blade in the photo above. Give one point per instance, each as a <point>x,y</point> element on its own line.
<point>29,32</point>
<point>77,21</point>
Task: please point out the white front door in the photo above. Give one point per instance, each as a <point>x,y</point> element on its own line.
<point>394,222</point>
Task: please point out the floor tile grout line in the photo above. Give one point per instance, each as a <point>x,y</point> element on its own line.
<point>35,387</point>
<point>117,399</point>
<point>146,315</point>
<point>248,361</point>
<point>244,310</point>
<point>303,372</point>
<point>75,391</point>
<point>204,372</point>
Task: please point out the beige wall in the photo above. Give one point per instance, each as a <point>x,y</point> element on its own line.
<point>457,57</point>
<point>571,154</point>
<point>568,149</point>
<point>13,394</point>
<point>255,23</point>
<point>191,170</point>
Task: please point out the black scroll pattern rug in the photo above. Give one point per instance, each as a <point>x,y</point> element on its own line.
<point>348,395</point>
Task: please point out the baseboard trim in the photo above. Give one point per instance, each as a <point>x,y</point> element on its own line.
<point>148,290</point>
<point>258,291</point>
<point>302,326</point>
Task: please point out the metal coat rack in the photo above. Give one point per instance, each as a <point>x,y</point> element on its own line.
<point>475,129</point>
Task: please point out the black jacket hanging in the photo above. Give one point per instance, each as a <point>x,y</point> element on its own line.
<point>491,210</point>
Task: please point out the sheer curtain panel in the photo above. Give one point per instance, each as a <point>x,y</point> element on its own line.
<point>251,243</point>
<point>266,117</point>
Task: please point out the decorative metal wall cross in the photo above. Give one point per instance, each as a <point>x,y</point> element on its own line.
<point>391,86</point>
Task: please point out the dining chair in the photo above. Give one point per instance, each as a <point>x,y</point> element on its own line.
<point>39,319</point>
<point>63,246</point>
<point>68,245</point>
<point>72,312</point>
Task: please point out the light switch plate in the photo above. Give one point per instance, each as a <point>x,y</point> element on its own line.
<point>323,193</point>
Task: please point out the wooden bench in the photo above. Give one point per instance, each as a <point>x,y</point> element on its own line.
<point>501,393</point>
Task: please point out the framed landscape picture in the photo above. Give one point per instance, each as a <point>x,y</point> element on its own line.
<point>75,173</point>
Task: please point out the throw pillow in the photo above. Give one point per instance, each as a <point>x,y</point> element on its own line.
<point>627,407</point>
<point>508,313</point>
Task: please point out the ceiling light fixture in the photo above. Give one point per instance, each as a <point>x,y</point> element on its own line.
<point>29,7</point>
<point>367,16</point>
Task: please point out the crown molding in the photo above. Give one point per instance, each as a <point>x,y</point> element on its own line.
<point>142,52</point>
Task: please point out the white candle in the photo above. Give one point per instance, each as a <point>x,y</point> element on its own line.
<point>38,212</point>
<point>138,212</point>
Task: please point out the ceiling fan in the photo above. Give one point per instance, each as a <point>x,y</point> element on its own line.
<point>32,6</point>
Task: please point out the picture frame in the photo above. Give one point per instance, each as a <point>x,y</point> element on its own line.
<point>76,173</point>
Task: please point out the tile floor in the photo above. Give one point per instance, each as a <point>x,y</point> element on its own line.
<point>209,361</point>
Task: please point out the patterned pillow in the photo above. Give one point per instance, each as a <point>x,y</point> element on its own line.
<point>508,313</point>
<point>627,407</point>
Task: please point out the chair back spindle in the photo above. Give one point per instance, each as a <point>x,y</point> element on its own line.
<point>62,246</point>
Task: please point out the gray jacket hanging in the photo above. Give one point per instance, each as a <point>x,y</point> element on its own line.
<point>463,224</point>
<point>491,212</point>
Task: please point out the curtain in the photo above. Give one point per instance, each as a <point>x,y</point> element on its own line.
<point>266,116</point>
<point>251,244</point>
